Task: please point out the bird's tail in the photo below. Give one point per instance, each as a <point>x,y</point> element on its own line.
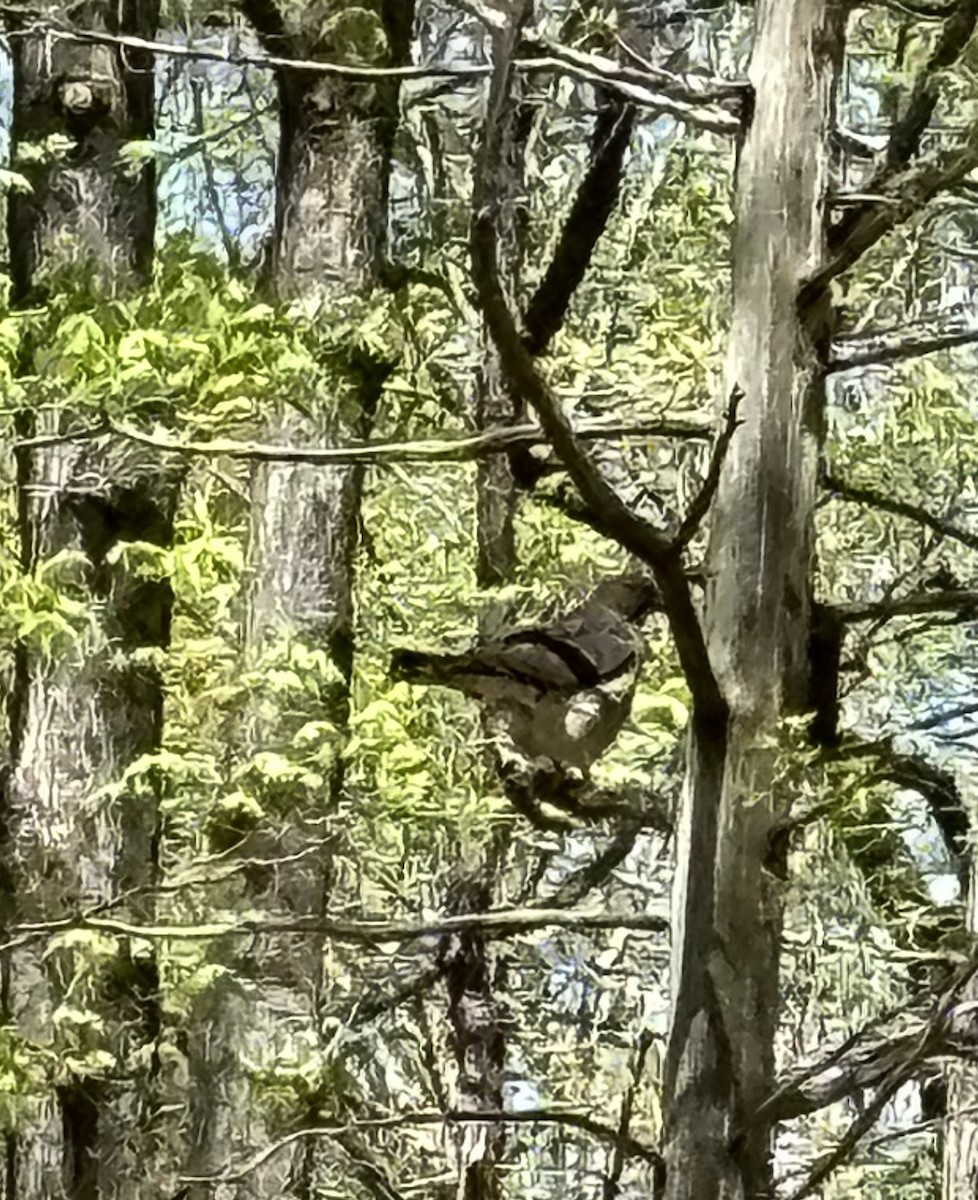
<point>417,666</point>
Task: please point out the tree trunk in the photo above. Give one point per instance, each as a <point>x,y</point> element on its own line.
<point>330,222</point>
<point>495,486</point>
<point>82,208</point>
<point>727,921</point>
<point>471,969</point>
<point>960,1140</point>
<point>80,717</point>
<point>333,170</point>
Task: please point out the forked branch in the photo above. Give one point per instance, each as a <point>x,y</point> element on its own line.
<point>704,497</point>
<point>632,531</point>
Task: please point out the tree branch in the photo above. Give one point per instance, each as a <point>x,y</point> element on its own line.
<point>905,136</point>
<point>918,604</point>
<point>859,1064</point>
<point>674,95</point>
<point>692,87</point>
<point>500,923</point>
<point>586,222</point>
<point>418,985</point>
<point>889,346</point>
<point>942,718</point>
<point>899,508</point>
<point>628,528</point>
<point>700,505</point>
<point>585,879</point>
<point>935,785</point>
<point>903,195</point>
<point>940,791</point>
<point>933,1039</point>
<point>610,1190</point>
<point>464,449</point>
<point>236,1172</point>
<point>857,1130</point>
<point>591,70</point>
<point>848,236</point>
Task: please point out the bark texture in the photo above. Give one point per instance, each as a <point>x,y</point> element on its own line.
<point>495,406</point>
<point>330,226</point>
<point>471,972</point>
<point>727,906</point>
<point>960,1107</point>
<point>327,250</point>
<point>82,209</point>
<point>84,712</point>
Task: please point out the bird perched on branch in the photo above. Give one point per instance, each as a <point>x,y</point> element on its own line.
<point>561,691</point>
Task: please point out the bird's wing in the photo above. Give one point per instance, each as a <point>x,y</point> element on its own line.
<point>594,642</point>
<point>526,658</point>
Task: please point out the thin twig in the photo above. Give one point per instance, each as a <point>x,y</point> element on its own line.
<point>700,505</point>
<point>907,193</point>
<point>923,1046</point>
<point>620,1153</point>
<point>899,508</point>
<point>587,68</point>
<point>915,605</point>
<point>234,1173</point>
<point>877,349</point>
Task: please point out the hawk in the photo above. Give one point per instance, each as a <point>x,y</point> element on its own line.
<point>561,691</point>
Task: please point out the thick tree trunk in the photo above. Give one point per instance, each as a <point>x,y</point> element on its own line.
<point>82,208</point>
<point>331,219</point>
<point>728,888</point>
<point>329,239</point>
<point>78,721</point>
<point>960,1140</point>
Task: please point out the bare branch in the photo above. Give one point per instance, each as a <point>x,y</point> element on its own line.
<point>935,785</point>
<point>693,87</point>
<point>918,604</point>
<point>586,222</point>
<point>620,522</point>
<point>580,882</point>
<point>500,923</point>
<point>942,718</point>
<point>905,136</point>
<point>902,196</point>
<point>874,1053</point>
<point>418,985</point>
<point>610,1189</point>
<point>589,69</point>
<point>918,1048</point>
<point>704,497</point>
<point>894,193</point>
<point>889,346</point>
<point>577,885</point>
<point>674,95</point>
<point>228,241</point>
<point>940,791</point>
<point>464,449</point>
<point>234,1173</point>
<point>900,508</point>
<point>863,1123</point>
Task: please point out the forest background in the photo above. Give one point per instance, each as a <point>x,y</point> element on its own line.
<point>329,329</point>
